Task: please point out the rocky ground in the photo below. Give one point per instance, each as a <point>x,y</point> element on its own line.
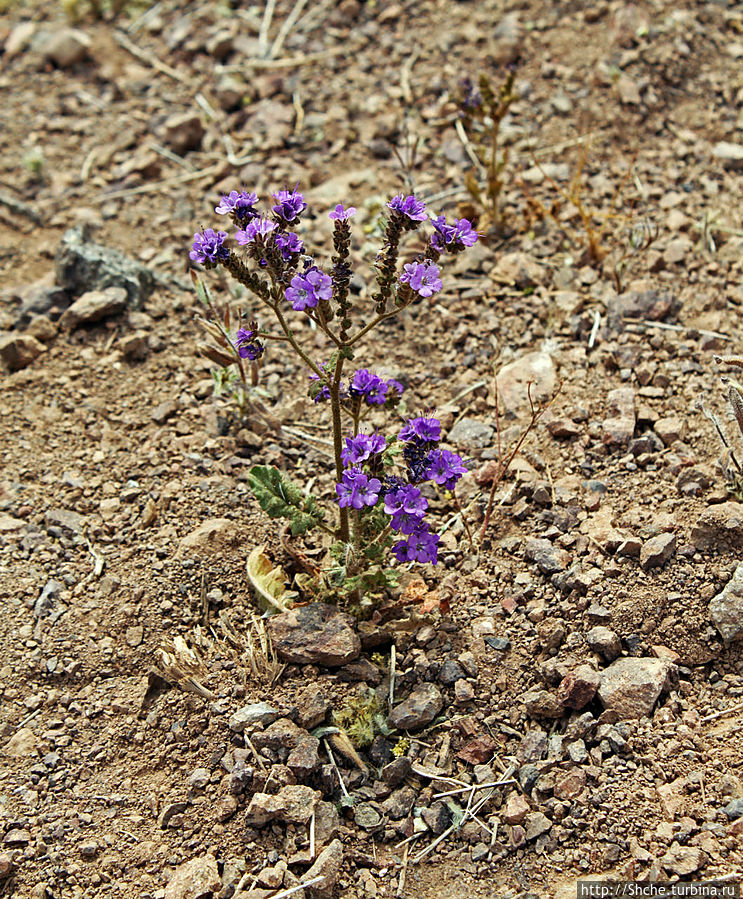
<point>571,703</point>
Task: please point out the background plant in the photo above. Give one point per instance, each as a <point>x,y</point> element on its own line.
<point>380,506</point>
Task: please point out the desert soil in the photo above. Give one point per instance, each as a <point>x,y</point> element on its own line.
<point>115,771</point>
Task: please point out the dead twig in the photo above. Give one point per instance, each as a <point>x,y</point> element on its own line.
<point>716,715</point>
<point>123,41</point>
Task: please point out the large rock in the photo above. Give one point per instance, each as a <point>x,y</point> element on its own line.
<point>719,524</point>
<point>66,47</point>
<point>317,634</point>
<point>196,879</point>
<point>294,803</point>
<point>22,744</point>
<point>19,350</point>
<point>258,713</point>
<point>726,609</point>
<point>418,710</point>
<point>630,687</point>
<point>472,433</point>
<point>657,551</point>
<point>578,687</point>
<point>513,380</point>
<point>94,306</point>
<point>81,265</point>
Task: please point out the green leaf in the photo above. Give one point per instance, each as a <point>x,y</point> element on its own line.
<point>280,497</point>
<point>268,582</point>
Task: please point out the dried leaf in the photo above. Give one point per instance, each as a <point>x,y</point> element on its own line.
<point>268,582</point>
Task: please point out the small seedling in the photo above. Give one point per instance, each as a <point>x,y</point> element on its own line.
<point>482,112</point>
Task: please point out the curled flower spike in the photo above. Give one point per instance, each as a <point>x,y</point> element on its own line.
<point>308,289</point>
<point>454,237</point>
<point>422,277</point>
<point>290,244</point>
<point>238,203</point>
<point>289,204</point>
<point>259,227</point>
<point>247,345</point>
<point>208,248</point>
<point>341,214</point>
<point>411,207</point>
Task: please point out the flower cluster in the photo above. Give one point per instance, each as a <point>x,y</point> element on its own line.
<point>402,499</point>
<point>455,237</point>
<point>364,386</point>
<point>308,289</point>
<point>247,344</point>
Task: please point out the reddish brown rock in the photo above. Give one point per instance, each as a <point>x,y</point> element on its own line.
<point>578,687</point>
<point>317,634</point>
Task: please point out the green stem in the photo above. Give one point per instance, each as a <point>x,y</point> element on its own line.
<point>335,408</point>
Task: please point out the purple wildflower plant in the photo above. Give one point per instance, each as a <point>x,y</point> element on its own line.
<point>208,248</point>
<point>421,546</point>
<point>422,277</point>
<point>445,468</point>
<point>421,429</point>
<point>411,207</point>
<point>341,214</point>
<point>371,387</point>
<point>308,288</point>
<point>289,204</point>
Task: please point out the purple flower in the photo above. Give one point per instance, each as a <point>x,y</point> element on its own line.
<point>395,386</point>
<point>290,245</point>
<point>443,233</point>
<point>208,248</point>
<point>341,214</point>
<point>370,386</point>
<point>361,447</point>
<point>258,227</point>
<point>464,234</point>
<point>445,468</point>
<point>421,546</point>
<point>357,490</point>
<point>308,289</point>
<point>421,429</point>
<point>247,345</point>
<point>289,204</point>
<point>405,499</point>
<point>238,203</point>
<point>422,277</point>
<point>411,207</point>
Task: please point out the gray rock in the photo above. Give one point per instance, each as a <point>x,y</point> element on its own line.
<point>731,155</point>
<point>66,47</point>
<point>437,817</point>
<point>199,778</point>
<point>94,306</point>
<point>734,809</point>
<point>537,823</point>
<point>654,305</point>
<point>46,601</point>
<point>82,265</point>
<point>317,634</point>
<point>719,524</point>
<point>683,860</point>
<point>533,746</point>
<point>726,609</point>
<point>399,804</point>
<point>40,299</point>
<point>605,642</point>
<point>258,713</point>
<point>513,382</point>
<point>450,673</point>
<point>328,866</point>
<point>294,803</point>
<point>395,772</point>
<point>419,709</point>
<point>64,520</point>
<point>549,558</point>
<point>327,822</point>
<point>194,879</point>
<point>18,351</point>
<point>366,816</point>
<point>631,686</point>
<point>472,433</point>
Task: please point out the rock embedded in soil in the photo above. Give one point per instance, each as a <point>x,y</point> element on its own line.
<point>657,551</point>
<point>82,265</point>
<point>22,744</point>
<point>317,634</point>
<point>328,866</point>
<point>542,704</point>
<point>513,380</point>
<point>258,713</point>
<point>209,539</point>
<point>183,132</point>
<point>726,609</point>
<point>578,687</point>
<point>94,306</point>
<point>605,642</point>
<point>619,425</point>
<point>419,709</point>
<point>721,523</point>
<point>631,687</point>
<point>194,879</point>
<point>294,803</point>
<point>730,154</point>
<point>549,558</point>
<point>18,351</point>
<point>66,47</point>
<point>683,860</point>
<point>471,432</point>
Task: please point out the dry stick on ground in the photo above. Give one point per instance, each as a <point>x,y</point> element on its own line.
<point>716,715</point>
<point>149,58</point>
<point>295,889</point>
<point>393,659</point>
<point>335,768</point>
<point>403,872</point>
<point>289,23</point>
<point>265,26</point>
<point>162,185</point>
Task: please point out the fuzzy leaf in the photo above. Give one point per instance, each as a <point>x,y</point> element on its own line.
<point>281,498</point>
<point>268,582</point>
